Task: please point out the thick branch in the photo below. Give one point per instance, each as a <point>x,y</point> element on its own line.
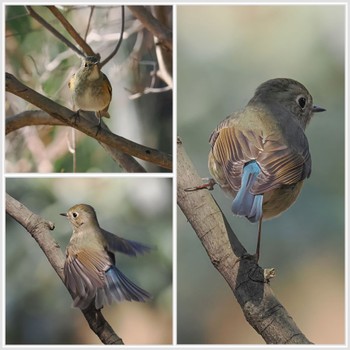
<point>39,229</point>
<point>39,117</point>
<point>86,126</point>
<point>163,33</point>
<point>29,118</point>
<point>246,279</point>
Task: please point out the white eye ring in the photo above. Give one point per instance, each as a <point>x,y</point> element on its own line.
<point>75,214</point>
<point>301,101</point>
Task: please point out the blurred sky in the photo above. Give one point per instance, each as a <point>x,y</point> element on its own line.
<point>224,53</point>
<point>37,304</point>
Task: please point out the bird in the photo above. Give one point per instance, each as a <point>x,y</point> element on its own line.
<point>260,155</point>
<point>89,269</point>
<point>91,89</point>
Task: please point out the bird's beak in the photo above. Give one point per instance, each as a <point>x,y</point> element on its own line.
<point>64,214</point>
<point>316,109</point>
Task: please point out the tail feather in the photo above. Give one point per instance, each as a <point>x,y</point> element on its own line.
<point>245,203</point>
<point>119,288</point>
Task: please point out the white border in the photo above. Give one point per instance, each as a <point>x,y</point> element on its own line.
<point>168,175</point>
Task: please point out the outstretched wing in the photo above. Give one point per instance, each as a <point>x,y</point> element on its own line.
<point>126,246</point>
<point>84,273</point>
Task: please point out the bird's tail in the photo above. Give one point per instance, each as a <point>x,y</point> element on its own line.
<point>245,203</point>
<point>119,288</point>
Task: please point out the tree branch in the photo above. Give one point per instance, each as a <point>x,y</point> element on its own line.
<point>39,117</point>
<point>72,32</point>
<point>39,229</point>
<point>163,33</point>
<point>116,49</point>
<point>246,279</point>
<point>86,126</point>
<point>29,118</point>
<point>52,30</point>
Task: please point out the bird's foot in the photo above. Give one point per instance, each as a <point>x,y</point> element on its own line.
<point>209,185</point>
<point>98,127</point>
<point>76,116</point>
<point>268,273</point>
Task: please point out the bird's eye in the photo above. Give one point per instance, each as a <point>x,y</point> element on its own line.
<point>86,65</point>
<point>75,214</point>
<point>301,101</point>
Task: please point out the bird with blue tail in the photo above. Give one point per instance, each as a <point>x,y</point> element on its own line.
<point>89,270</point>
<point>260,155</point>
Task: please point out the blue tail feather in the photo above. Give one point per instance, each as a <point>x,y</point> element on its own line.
<point>245,203</point>
<point>120,288</point>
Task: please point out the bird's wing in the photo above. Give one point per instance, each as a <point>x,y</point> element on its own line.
<point>282,165</point>
<point>84,270</point>
<point>126,246</point>
<point>233,147</point>
<point>109,88</point>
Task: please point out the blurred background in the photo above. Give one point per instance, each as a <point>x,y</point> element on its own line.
<point>224,53</point>
<point>38,306</point>
<point>41,61</point>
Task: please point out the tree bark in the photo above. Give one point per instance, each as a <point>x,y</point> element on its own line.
<point>248,281</point>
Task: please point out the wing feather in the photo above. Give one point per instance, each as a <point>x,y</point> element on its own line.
<point>233,147</point>
<point>126,246</point>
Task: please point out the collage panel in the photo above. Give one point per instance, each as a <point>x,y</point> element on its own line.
<point>88,89</point>
<point>241,241</point>
<point>270,68</point>
<point>109,240</point>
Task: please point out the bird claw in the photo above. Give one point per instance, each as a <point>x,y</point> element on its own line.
<point>76,116</point>
<point>98,126</point>
<point>209,185</point>
<point>269,274</point>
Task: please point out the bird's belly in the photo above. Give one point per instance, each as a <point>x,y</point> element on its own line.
<point>278,200</point>
<point>92,100</point>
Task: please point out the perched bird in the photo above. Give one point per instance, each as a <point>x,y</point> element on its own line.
<point>260,155</point>
<point>91,89</point>
<point>89,270</point>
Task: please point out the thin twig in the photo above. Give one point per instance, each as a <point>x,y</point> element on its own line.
<point>53,31</point>
<point>163,33</point>
<point>73,33</point>
<point>114,52</point>
<point>92,9</point>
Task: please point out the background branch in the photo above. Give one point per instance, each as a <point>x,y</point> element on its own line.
<point>52,30</point>
<point>71,30</point>
<point>163,33</point>
<point>246,279</point>
<point>86,126</point>
<point>114,52</point>
<point>31,117</point>
<point>39,229</point>
<point>39,117</point>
